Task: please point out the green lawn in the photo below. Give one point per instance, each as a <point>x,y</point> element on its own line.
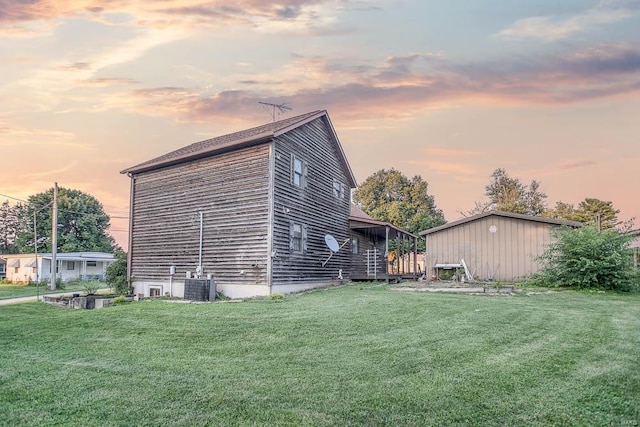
<point>357,355</point>
<point>17,291</point>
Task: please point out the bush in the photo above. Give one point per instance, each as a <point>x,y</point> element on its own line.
<point>91,287</point>
<point>585,258</point>
<point>119,300</point>
<point>116,276</point>
<point>275,296</point>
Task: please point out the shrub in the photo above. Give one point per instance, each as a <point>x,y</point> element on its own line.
<point>275,296</point>
<point>119,300</point>
<point>585,258</point>
<point>91,287</point>
<point>116,276</point>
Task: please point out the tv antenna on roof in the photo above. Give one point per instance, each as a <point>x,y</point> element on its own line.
<point>279,107</point>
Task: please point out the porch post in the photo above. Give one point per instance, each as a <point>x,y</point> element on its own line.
<point>415,258</point>
<point>386,253</point>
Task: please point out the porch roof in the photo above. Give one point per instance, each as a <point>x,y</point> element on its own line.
<point>359,220</point>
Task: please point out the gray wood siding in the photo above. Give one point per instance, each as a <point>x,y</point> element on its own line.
<point>359,261</point>
<point>232,192</point>
<point>314,206</point>
<point>507,254</point>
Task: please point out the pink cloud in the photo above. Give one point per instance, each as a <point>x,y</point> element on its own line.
<point>576,163</point>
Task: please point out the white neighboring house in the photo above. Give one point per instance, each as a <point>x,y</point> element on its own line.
<point>22,268</point>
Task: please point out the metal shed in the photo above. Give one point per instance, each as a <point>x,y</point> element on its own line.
<point>494,245</point>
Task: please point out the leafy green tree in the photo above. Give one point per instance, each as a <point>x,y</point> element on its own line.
<point>82,223</point>
<point>589,211</point>
<point>116,276</point>
<point>511,195</point>
<point>389,196</point>
<point>9,225</point>
<point>508,194</point>
<point>586,258</point>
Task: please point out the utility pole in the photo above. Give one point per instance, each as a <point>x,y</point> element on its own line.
<point>35,248</point>
<point>54,237</point>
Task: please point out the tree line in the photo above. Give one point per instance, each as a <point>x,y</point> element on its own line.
<point>389,196</point>
<point>82,224</point>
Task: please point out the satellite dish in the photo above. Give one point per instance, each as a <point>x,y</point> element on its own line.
<point>332,243</point>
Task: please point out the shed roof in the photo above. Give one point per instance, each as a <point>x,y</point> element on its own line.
<point>552,221</point>
<point>241,139</point>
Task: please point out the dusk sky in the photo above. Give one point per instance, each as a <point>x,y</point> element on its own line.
<point>449,90</point>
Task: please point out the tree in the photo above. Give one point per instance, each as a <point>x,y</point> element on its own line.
<point>116,276</point>
<point>589,211</point>
<point>587,258</point>
<point>508,194</point>
<point>389,196</point>
<point>82,223</point>
<point>8,227</point>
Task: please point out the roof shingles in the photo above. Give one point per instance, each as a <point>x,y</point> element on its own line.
<point>207,146</point>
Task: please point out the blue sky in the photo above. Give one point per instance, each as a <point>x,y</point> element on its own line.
<point>446,90</point>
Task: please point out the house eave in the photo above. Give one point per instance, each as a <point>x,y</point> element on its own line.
<point>219,149</point>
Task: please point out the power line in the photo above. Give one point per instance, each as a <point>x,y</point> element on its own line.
<point>13,198</point>
<point>65,210</point>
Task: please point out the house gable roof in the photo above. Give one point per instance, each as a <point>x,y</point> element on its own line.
<point>552,221</point>
<point>241,139</point>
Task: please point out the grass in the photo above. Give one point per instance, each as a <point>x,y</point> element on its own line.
<point>357,355</point>
<point>17,291</point>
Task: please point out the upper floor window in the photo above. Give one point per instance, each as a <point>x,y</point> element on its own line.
<point>298,171</point>
<point>338,189</point>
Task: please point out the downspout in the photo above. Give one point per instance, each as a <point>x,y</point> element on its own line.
<point>200,246</point>
<point>271,214</point>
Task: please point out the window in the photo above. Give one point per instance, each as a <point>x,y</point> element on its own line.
<point>154,291</point>
<point>16,269</point>
<point>71,265</point>
<point>354,245</point>
<point>297,238</point>
<point>338,189</point>
<point>298,171</point>
<point>92,263</point>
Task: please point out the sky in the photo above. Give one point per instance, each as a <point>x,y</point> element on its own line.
<point>448,90</point>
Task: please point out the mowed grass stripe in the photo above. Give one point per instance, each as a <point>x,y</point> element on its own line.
<point>356,355</point>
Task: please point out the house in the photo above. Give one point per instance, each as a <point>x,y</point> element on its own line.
<point>250,210</point>
<point>24,268</point>
<point>379,250</point>
<point>3,268</point>
<point>494,245</point>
